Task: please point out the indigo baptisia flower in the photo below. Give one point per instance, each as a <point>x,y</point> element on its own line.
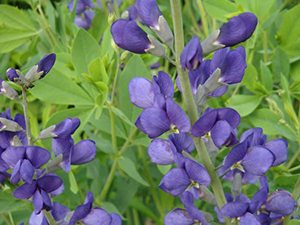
<point>12,74</point>
<point>253,156</point>
<point>237,29</point>
<point>187,177</point>
<point>40,190</point>
<point>219,124</point>
<point>129,36</point>
<point>84,13</point>
<point>163,152</point>
<point>148,13</point>
<point>90,216</point>
<point>24,160</point>
<point>63,144</point>
<point>191,56</point>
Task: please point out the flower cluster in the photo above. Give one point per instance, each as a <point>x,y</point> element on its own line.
<point>30,166</point>
<point>251,155</point>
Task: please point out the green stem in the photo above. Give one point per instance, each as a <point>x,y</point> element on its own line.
<point>113,129</point>
<point>26,115</point>
<point>49,218</point>
<point>113,169</point>
<point>203,17</point>
<point>294,158</point>
<point>190,103</point>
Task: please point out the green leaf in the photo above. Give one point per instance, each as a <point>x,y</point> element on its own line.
<point>272,124</point>
<point>16,28</point>
<point>84,50</point>
<point>220,9</point>
<point>97,70</point>
<point>135,67</point>
<point>294,222</point>
<point>10,204</point>
<point>129,168</point>
<point>73,183</point>
<point>244,104</point>
<point>289,32</point>
<point>280,64</point>
<point>266,76</point>
<point>121,115</point>
<point>59,89</point>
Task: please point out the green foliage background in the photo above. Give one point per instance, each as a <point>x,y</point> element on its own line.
<point>87,82</point>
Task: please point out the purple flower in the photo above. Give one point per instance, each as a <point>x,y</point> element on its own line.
<point>237,29</point>
<point>221,124</point>
<point>156,121</point>
<point>163,151</point>
<point>24,161</point>
<point>85,19</point>
<point>91,216</point>
<point>129,36</point>
<point>40,190</point>
<point>188,177</point>
<point>191,56</point>
<point>81,5</point>
<point>148,13</point>
<point>46,63</point>
<point>12,74</point>
<point>62,143</point>
<point>253,156</point>
<point>280,203</point>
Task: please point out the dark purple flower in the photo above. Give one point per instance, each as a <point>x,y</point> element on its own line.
<point>46,63</point>
<point>129,36</point>
<point>40,190</point>
<point>237,29</point>
<point>91,216</point>
<point>281,203</point>
<point>191,56</point>
<point>148,13</point>
<point>155,121</point>
<point>188,177</point>
<point>24,161</point>
<point>12,74</point>
<point>221,124</point>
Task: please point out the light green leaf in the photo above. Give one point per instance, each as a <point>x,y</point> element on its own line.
<point>294,222</point>
<point>84,50</point>
<point>59,89</point>
<point>129,168</point>
<point>16,28</point>
<point>220,9</point>
<point>244,104</point>
<point>97,71</point>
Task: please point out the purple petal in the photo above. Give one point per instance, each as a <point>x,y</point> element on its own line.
<point>38,202</point>
<point>129,36</point>
<point>13,154</point>
<point>221,133</point>
<point>258,160</point>
<point>115,219</point>
<point>191,55</point>
<point>175,181</point>
<point>62,145</point>
<point>59,211</point>
<point>177,116</point>
<point>178,217</point>
<point>37,156</point>
<point>182,142</point>
<point>38,219</point>
<point>47,204</point>
<point>26,171</point>
<point>25,191</point>
<point>249,219</point>
<point>164,84</point>
<point>67,127</point>
<point>49,182</point>
<point>154,122</point>
<point>234,209</point>
<point>197,172</point>
<point>141,92</point>
<point>148,12</point>
<point>237,29</point>
<point>205,123</point>
<point>279,148</point>
<point>160,152</point>
<point>281,202</point>
<point>15,176</point>
<point>97,216</point>
<point>230,115</point>
<point>83,210</point>
<point>46,63</point>
<point>12,74</point>
<point>83,152</point>
<point>253,137</point>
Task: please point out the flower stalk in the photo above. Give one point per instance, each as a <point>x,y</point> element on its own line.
<point>190,103</point>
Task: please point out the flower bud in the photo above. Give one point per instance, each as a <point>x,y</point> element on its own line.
<point>7,90</point>
<point>237,29</point>
<point>129,36</point>
<point>191,56</point>
<point>148,13</point>
<point>46,63</point>
<point>164,32</point>
<point>12,74</point>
